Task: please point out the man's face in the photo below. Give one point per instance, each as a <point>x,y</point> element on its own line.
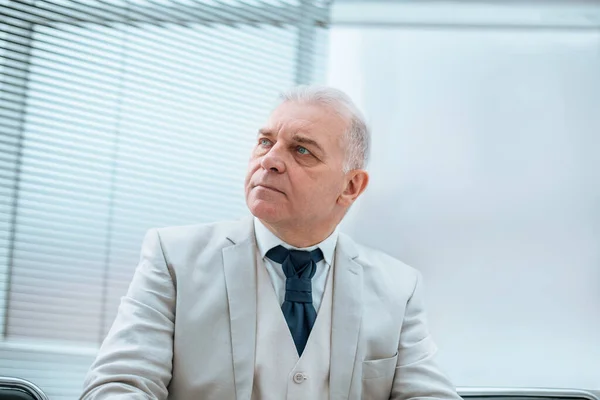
<point>295,174</point>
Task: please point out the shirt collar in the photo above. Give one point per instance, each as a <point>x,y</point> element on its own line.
<point>266,240</point>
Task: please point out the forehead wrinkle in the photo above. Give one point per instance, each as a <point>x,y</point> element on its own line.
<point>275,128</point>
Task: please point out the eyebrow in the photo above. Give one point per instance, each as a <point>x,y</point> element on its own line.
<point>265,132</point>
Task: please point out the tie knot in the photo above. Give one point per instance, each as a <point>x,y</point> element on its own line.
<point>298,257</point>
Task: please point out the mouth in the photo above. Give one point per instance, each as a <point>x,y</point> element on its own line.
<point>269,188</point>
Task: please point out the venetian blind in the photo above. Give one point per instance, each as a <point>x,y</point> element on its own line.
<point>115,117</point>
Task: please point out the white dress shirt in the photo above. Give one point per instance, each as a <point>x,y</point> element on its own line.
<point>266,240</point>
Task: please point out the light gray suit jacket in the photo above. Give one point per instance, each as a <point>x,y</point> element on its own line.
<point>186,328</point>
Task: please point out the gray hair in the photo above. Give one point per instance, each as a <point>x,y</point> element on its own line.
<point>357,137</point>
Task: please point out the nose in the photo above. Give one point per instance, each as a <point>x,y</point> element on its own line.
<point>273,161</point>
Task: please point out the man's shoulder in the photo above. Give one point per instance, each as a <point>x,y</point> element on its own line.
<point>203,232</point>
<point>376,261</point>
<point>188,229</point>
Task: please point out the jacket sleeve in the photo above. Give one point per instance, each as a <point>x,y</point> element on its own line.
<point>417,375</point>
<point>135,359</point>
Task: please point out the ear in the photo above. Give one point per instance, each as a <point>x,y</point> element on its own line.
<point>356,183</point>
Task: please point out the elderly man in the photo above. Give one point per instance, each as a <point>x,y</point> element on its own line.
<point>281,305</point>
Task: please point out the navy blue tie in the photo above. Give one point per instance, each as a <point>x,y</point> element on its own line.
<point>299,267</point>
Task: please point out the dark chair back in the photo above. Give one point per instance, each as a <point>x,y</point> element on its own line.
<point>525,394</point>
<point>19,389</point>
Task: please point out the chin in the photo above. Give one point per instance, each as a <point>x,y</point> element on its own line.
<point>263,210</point>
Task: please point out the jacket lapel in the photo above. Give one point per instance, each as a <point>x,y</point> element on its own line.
<point>239,261</point>
<point>346,318</point>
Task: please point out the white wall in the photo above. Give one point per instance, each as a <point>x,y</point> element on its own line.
<point>486,177</point>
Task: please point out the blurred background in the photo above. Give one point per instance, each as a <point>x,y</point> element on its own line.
<point>117,116</point>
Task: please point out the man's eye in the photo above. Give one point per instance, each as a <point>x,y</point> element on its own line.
<point>303,150</point>
<point>264,142</point>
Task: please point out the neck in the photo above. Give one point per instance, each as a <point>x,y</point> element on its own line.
<point>300,236</point>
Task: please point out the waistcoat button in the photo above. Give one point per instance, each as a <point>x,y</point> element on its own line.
<point>299,377</point>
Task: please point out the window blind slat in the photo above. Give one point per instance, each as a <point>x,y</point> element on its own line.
<point>175,12</point>
<point>115,30</point>
<point>134,212</point>
<point>62,150</point>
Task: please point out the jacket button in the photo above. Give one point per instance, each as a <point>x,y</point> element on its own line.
<point>299,377</point>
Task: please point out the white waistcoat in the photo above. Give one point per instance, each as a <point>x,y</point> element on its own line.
<point>278,371</point>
